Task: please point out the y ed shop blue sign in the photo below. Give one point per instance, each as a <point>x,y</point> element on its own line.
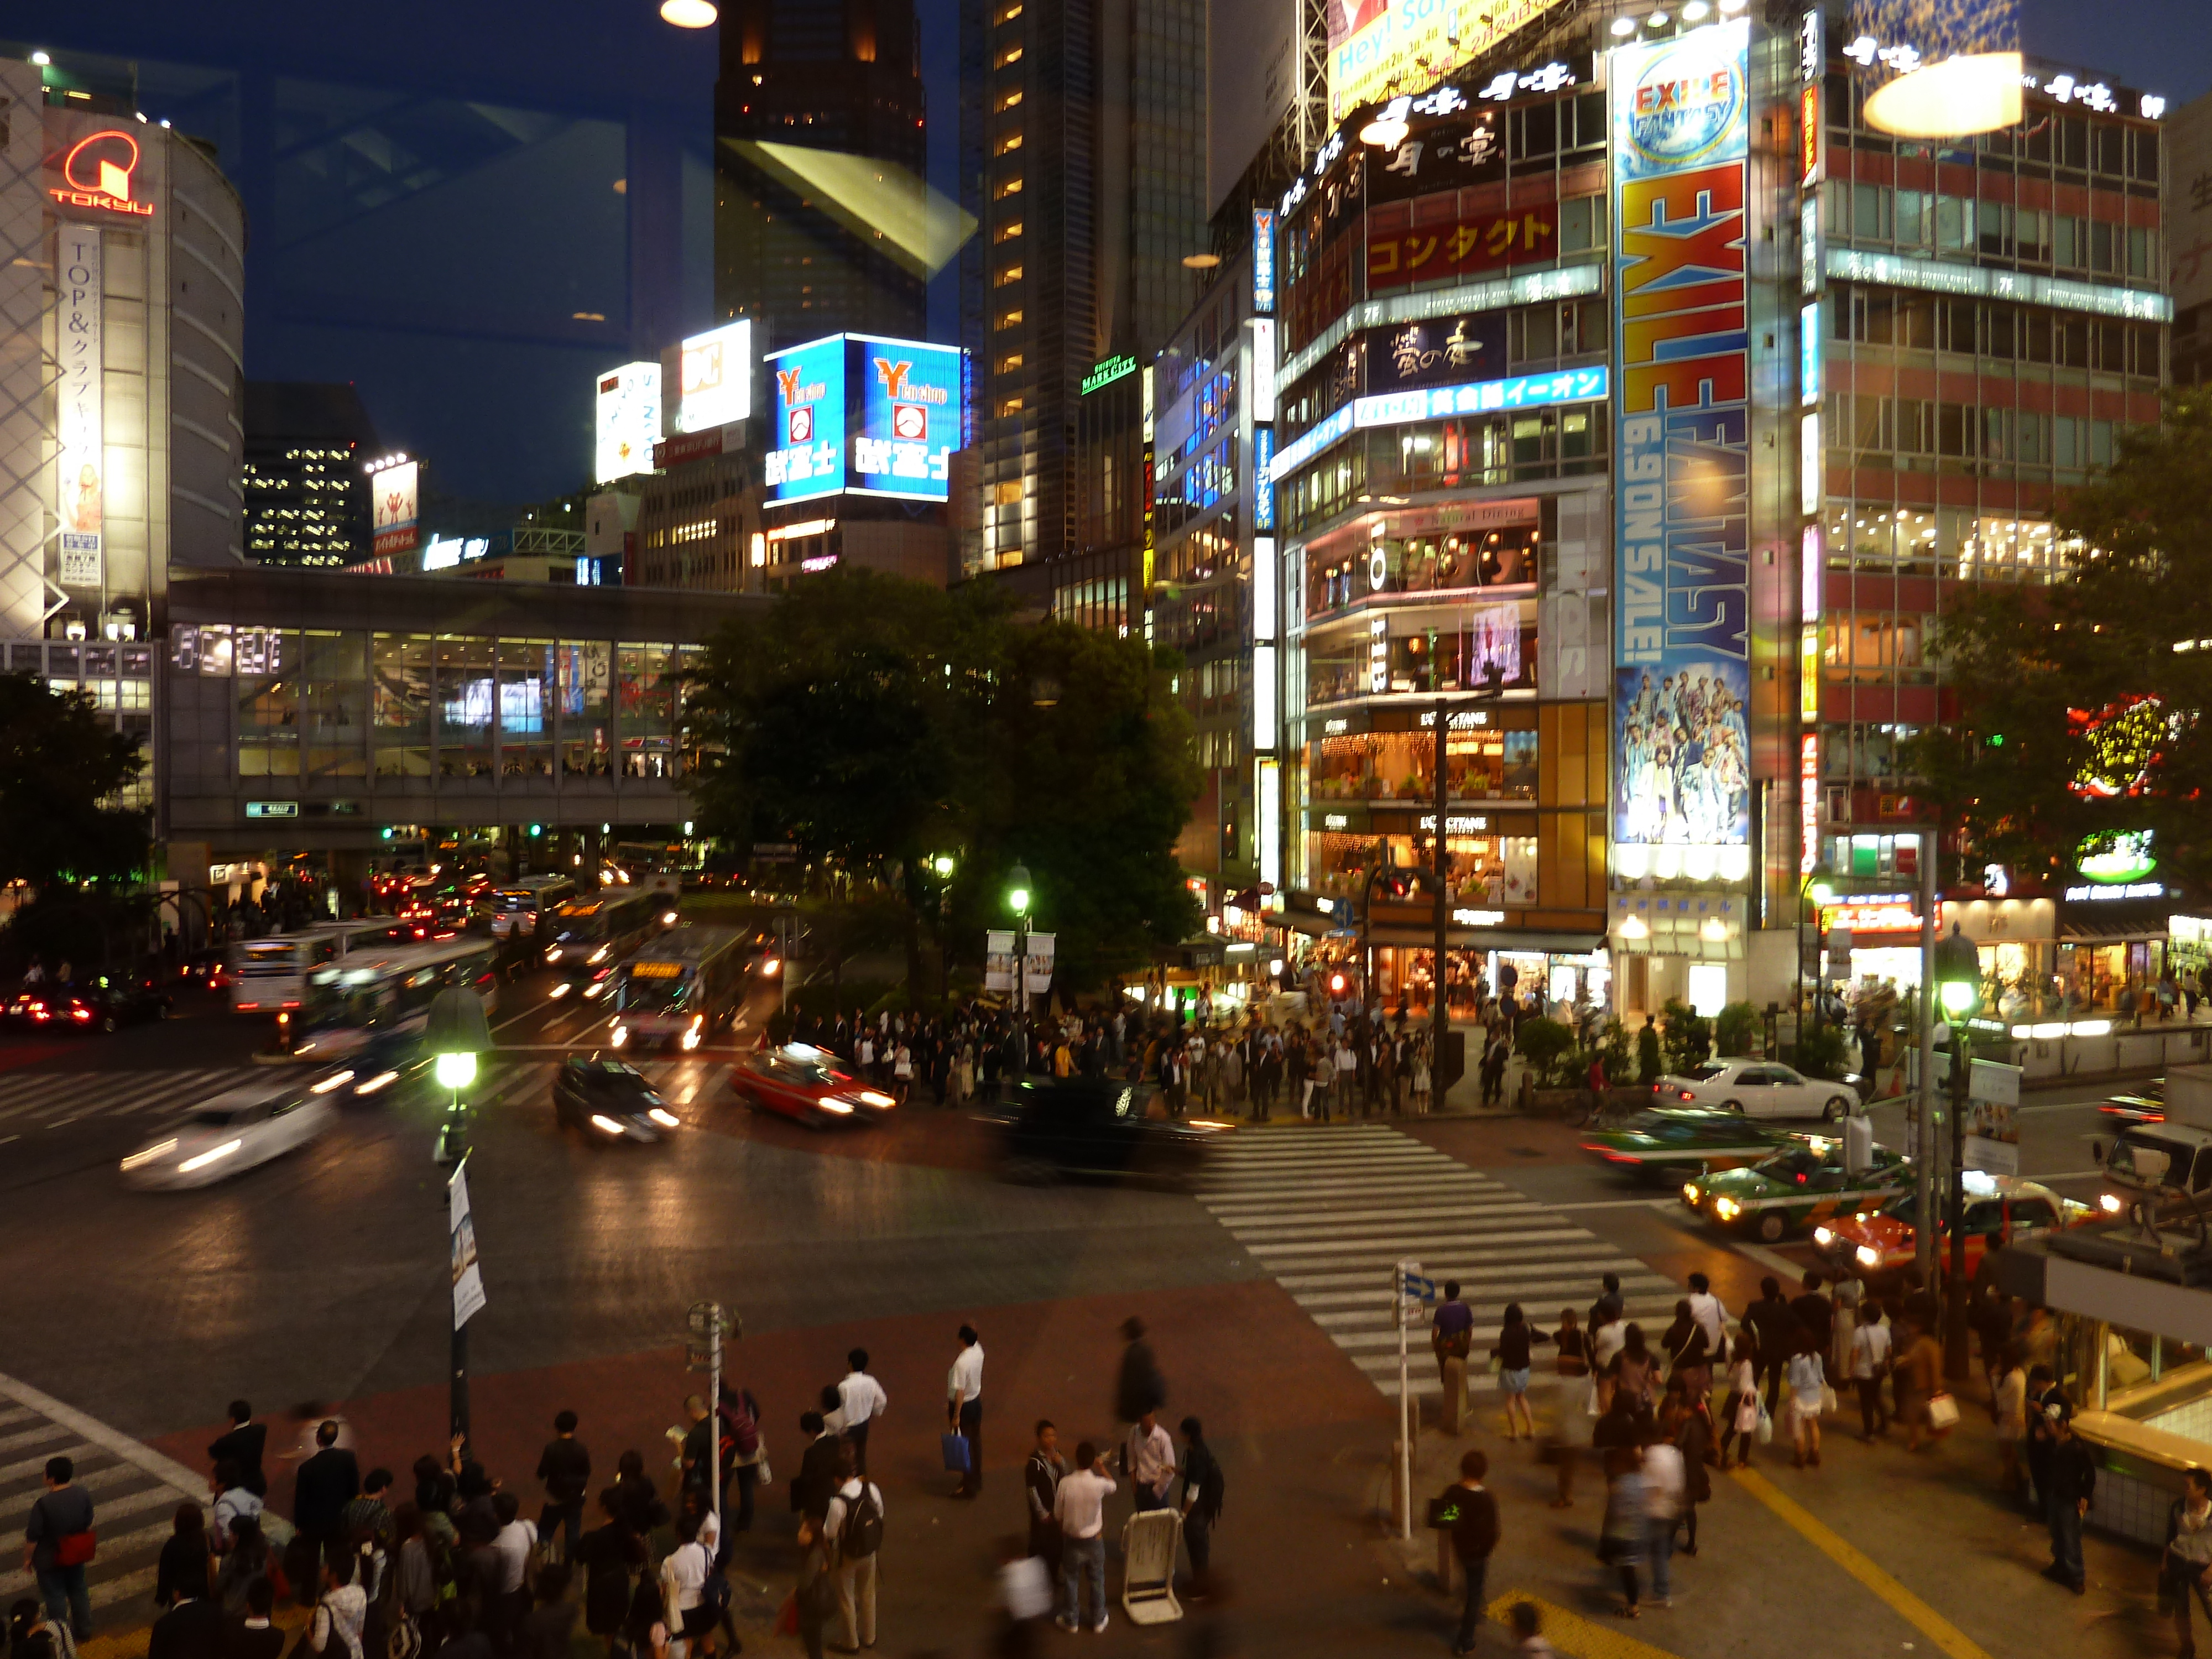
<point>807,454</point>
<point>910,417</point>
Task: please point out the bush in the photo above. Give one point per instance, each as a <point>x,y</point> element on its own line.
<point>1821,1053</point>
<point>1620,1066</point>
<point>1546,1045</point>
<point>1686,1037</point>
<point>1738,1027</point>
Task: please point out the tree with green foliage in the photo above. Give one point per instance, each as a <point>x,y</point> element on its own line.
<point>2078,705</point>
<point>62,766</point>
<point>878,723</point>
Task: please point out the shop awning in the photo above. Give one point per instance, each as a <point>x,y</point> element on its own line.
<point>2085,930</point>
<point>1552,942</point>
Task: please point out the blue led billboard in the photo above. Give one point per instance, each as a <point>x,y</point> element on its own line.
<point>806,456</point>
<point>910,416</point>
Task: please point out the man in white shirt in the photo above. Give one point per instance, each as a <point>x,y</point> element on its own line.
<point>860,1401</point>
<point>963,1407</point>
<point>1711,1317</point>
<point>1079,1506</point>
<point>848,1528</point>
<point>1148,1458</point>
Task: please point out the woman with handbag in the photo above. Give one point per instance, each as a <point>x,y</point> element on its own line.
<point>1635,1371</point>
<point>1512,1359</point>
<point>1691,1429</point>
<point>1688,1362</point>
<point>1740,1416</point>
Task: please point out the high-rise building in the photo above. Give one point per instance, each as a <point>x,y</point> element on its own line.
<point>2186,206</point>
<point>307,496</point>
<point>1086,174</point>
<point>820,156</point>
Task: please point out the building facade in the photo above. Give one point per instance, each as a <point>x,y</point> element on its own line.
<point>821,154</point>
<point>306,496</point>
<point>122,335</point>
<point>1085,173</point>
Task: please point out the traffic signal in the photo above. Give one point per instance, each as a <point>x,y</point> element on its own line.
<point>536,830</point>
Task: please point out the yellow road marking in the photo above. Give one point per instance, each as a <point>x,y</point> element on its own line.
<point>1934,1625</point>
<point>1571,1633</point>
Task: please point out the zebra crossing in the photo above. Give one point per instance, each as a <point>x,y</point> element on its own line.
<point>54,1100</point>
<point>1329,1213</point>
<point>135,1491</point>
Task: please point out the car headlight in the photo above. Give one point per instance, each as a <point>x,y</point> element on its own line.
<point>1727,1208</point>
<point>159,1149</point>
<point>553,954</point>
<point>771,968</point>
<point>594,989</point>
<point>2110,1204</point>
<point>620,1036</point>
<point>831,1103</point>
<point>1866,1256</point>
<point>668,918</point>
<point>870,1097</point>
<point>205,1159</point>
<point>381,1080</point>
<point>605,1125</point>
<point>599,954</point>
<point>1690,1193</point>
<point>691,1038</point>
<point>1823,1236</point>
<point>666,1120</point>
<point>335,1081</point>
<point>559,991</point>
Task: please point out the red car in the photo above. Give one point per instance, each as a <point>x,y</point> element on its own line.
<point>807,1084</point>
<point>1878,1245</point>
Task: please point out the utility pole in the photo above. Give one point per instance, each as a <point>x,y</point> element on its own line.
<point>708,1325</point>
<point>1924,1149</point>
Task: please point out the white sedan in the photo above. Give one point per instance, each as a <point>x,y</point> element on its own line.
<point>235,1130</point>
<point>1757,1088</point>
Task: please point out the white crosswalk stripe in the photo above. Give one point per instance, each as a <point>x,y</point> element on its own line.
<point>1329,1213</point>
<point>44,1100</point>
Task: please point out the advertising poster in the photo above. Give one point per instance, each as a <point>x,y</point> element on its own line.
<point>998,959</point>
<point>1443,351</point>
<point>717,377</point>
<point>628,421</point>
<point>468,1274</point>
<point>1682,649</point>
<point>81,479</point>
<point>1374,45</point>
<point>910,417</point>
<point>394,505</point>
<point>806,417</point>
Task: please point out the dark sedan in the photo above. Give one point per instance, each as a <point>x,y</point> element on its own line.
<point>100,1004</point>
<point>610,1101</point>
<point>1099,1126</point>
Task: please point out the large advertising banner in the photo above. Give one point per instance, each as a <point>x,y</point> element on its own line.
<point>806,456</point>
<point>627,417</point>
<point>1376,45</point>
<point>81,493</point>
<point>909,418</point>
<point>1682,682</point>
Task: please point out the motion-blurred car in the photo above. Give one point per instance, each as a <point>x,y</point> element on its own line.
<point>103,1003</point>
<point>234,1131</point>
<point>802,1082</point>
<point>1099,1126</point>
<point>1756,1088</point>
<point>610,1101</point>
<point>1803,1183</point>
<point>1664,1145</point>
<point>2144,1105</point>
<point>1878,1244</point>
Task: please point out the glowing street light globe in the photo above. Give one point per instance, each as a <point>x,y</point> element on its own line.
<point>688,13</point>
<point>1018,890</point>
<point>455,1070</point>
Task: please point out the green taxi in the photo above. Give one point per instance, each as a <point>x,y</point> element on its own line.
<point>1663,1145</point>
<point>1800,1184</point>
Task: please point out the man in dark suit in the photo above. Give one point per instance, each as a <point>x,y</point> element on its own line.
<point>819,1476</point>
<point>194,1628</point>
<point>325,1484</point>
<point>244,1445</point>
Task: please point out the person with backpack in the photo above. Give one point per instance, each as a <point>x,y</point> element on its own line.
<point>1203,1488</point>
<point>565,1467</point>
<point>854,1528</point>
<point>688,1599</point>
<point>745,1454</point>
<point>58,1543</point>
<point>1469,1511</point>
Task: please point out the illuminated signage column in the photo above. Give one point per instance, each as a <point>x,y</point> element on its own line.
<point>1812,348</point>
<point>1259,402</point>
<point>80,433</point>
<point>1681,804</point>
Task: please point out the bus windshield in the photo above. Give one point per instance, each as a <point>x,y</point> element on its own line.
<point>654,988</point>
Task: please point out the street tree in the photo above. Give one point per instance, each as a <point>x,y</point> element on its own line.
<point>2075,718</point>
<point>62,765</point>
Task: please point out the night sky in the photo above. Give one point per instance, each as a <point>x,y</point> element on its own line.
<point>505,415</point>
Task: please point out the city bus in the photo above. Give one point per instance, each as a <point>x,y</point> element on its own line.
<point>519,905</point>
<point>269,975</point>
<point>581,936</point>
<point>683,987</point>
<point>373,1002</point>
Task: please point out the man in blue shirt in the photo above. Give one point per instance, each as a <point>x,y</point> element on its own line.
<point>1451,1334</point>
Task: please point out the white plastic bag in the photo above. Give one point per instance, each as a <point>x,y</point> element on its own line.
<point>1765,1426</point>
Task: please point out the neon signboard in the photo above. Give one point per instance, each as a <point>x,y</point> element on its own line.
<point>1682,677</point>
<point>910,412</point>
<point>807,420</point>
<point>1571,385</point>
<point>715,371</point>
<point>97,172</point>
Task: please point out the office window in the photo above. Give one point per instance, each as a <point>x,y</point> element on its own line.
<point>1008,144</point>
<point>1005,276</point>
<point>466,700</point>
<point>268,692</point>
<point>582,667</point>
<point>335,689</point>
<point>528,697</point>
<point>1010,319</point>
<point>645,710</point>
<point>399,694</point>
<point>1008,232</point>
<point>1006,187</point>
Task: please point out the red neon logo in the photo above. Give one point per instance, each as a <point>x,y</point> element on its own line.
<point>98,173</point>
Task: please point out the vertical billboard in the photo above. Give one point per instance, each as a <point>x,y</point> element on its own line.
<point>806,456</point>
<point>80,478</point>
<point>628,421</point>
<point>394,505</point>
<point>1682,681</point>
<point>715,377</point>
<point>910,417</point>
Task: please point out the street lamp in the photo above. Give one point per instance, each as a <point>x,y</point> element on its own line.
<point>1018,901</point>
<point>455,1032</point>
<point>1959,990</point>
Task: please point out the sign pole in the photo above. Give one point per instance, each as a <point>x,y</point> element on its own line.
<point>1406,1270</point>
<point>715,1415</point>
<point>1923,1143</point>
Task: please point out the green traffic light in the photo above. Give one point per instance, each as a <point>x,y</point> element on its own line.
<point>537,830</point>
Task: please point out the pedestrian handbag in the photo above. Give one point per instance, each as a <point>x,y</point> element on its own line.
<point>1444,1511</point>
<point>955,1448</point>
<point>1827,1399</point>
<point>1765,1430</point>
<point>76,1549</point>
<point>1942,1413</point>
